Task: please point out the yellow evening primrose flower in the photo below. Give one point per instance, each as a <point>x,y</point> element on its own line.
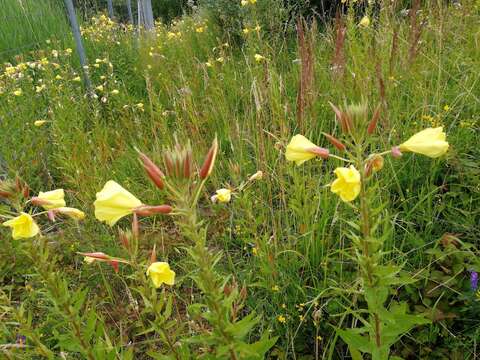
<point>114,202</point>
<point>348,183</point>
<point>429,142</point>
<point>259,58</point>
<point>365,22</point>
<point>281,319</point>
<point>300,149</point>
<point>55,199</point>
<point>160,273</point>
<point>18,92</point>
<point>23,226</point>
<point>223,195</point>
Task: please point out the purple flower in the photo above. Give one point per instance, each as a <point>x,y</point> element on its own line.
<point>474,280</point>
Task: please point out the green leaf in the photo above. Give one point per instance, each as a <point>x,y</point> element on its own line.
<point>355,341</point>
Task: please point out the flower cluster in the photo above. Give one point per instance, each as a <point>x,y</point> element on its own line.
<point>430,142</point>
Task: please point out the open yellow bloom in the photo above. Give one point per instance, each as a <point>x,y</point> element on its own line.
<point>114,202</point>
<point>365,22</point>
<point>300,149</point>
<point>429,142</point>
<point>160,273</point>
<point>54,199</point>
<point>223,195</point>
<point>348,183</point>
<point>23,226</point>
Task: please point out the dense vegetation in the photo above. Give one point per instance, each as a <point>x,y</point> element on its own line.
<point>277,266</point>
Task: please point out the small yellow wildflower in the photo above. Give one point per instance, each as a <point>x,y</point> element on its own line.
<point>58,77</point>
<point>244,2</point>
<point>275,288</point>
<point>347,185</point>
<point>160,273</point>
<point>99,88</point>
<point>115,92</point>
<point>365,22</point>
<point>259,58</point>
<point>220,59</point>
<point>200,29</point>
<point>254,251</point>
<point>246,31</point>
<point>222,195</point>
<point>281,319</point>
<point>446,108</point>
<point>77,79</point>
<point>18,92</point>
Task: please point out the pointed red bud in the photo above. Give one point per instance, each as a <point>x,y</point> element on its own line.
<point>115,265</point>
<point>335,142</point>
<point>5,194</point>
<point>342,118</point>
<point>373,123</point>
<point>153,171</point>
<point>96,255</point>
<point>26,191</point>
<point>209,162</point>
<point>153,254</point>
<point>148,210</point>
<point>123,239</point>
<point>135,226</point>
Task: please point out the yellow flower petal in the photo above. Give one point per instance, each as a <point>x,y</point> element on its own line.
<point>55,199</point>
<point>223,195</point>
<point>160,273</point>
<point>430,142</point>
<point>114,202</point>
<point>299,150</point>
<point>23,226</point>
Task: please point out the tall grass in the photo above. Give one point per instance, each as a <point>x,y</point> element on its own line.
<point>27,24</point>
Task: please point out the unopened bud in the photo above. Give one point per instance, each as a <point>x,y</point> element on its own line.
<point>115,265</point>
<point>135,227</point>
<point>335,142</point>
<point>153,254</point>
<point>51,215</point>
<point>123,239</point>
<point>153,171</point>
<point>5,194</point>
<point>209,162</point>
<point>148,210</point>
<point>26,191</point>
<point>373,123</point>
<point>342,118</point>
<point>373,165</point>
<point>396,153</point>
<point>257,176</point>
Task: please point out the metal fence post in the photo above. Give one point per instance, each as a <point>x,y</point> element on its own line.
<point>129,10</point>
<point>78,41</point>
<point>110,9</point>
<point>145,14</point>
